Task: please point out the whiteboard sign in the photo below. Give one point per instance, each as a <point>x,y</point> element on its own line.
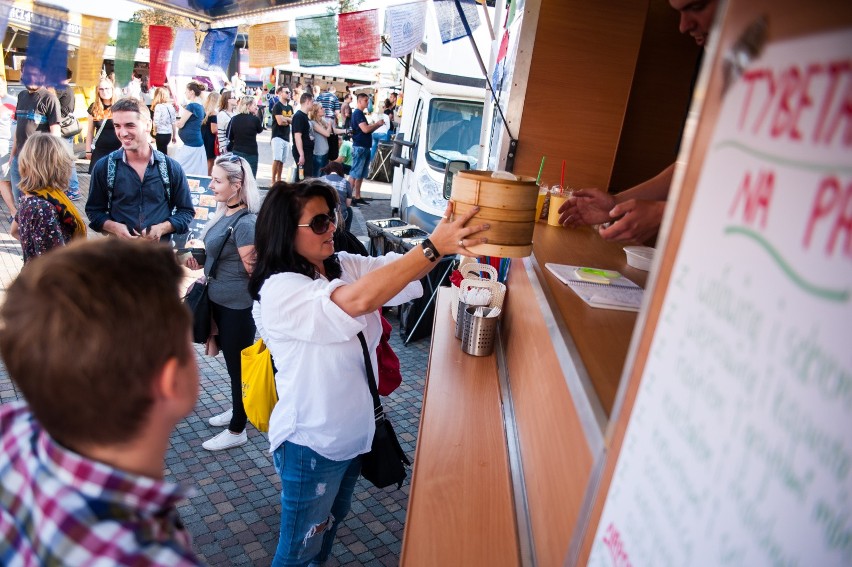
<point>739,446</point>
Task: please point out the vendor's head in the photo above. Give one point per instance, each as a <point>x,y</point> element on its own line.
<point>696,17</point>
<point>294,232</point>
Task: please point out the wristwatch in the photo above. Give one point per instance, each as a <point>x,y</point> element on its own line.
<point>429,250</point>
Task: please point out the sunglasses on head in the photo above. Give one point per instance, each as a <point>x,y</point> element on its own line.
<point>320,223</point>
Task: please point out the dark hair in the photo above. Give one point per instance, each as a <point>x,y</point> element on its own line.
<point>363,95</point>
<point>275,232</point>
<point>305,97</point>
<point>332,167</point>
<point>94,303</point>
<point>131,104</point>
<point>196,87</point>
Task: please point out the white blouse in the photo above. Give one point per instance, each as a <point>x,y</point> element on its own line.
<point>324,401</point>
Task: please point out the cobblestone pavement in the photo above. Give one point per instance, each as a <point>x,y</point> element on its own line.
<point>234,514</point>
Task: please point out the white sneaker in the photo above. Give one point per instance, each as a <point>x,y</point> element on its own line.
<point>226,440</point>
<point>222,419</point>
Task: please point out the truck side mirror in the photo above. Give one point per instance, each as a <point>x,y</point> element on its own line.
<point>452,167</point>
<point>396,155</point>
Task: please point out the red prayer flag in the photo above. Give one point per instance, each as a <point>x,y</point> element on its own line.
<point>504,46</point>
<point>359,37</point>
<point>160,43</point>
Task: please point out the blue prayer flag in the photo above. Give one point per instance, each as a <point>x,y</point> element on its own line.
<point>216,50</point>
<point>47,50</point>
<point>450,22</point>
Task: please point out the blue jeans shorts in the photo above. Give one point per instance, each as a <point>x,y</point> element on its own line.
<point>360,162</point>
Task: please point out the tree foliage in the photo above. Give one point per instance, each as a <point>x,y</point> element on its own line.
<point>344,6</point>
<point>164,18</point>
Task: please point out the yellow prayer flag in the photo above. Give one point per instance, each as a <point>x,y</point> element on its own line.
<point>269,44</point>
<point>94,34</point>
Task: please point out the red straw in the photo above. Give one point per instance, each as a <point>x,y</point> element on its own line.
<point>562,177</point>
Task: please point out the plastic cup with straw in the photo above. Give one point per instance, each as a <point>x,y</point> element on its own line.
<point>557,198</point>
<point>543,194</point>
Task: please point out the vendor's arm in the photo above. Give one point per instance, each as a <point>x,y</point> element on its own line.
<point>593,206</point>
<point>379,286</point>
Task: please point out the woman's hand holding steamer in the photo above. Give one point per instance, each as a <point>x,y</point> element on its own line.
<point>451,236</point>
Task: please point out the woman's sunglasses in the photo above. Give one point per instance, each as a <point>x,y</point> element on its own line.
<point>320,223</point>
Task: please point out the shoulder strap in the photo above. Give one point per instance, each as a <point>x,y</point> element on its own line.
<point>231,229</point>
<point>378,411</point>
<point>162,164</point>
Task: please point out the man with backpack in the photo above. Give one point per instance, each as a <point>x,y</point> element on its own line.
<point>138,192</point>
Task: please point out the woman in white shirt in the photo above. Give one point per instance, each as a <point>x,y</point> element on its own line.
<point>310,306</point>
<point>165,119</point>
<point>227,108</point>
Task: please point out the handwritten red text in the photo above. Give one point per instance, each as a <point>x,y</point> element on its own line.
<point>833,205</point>
<point>800,103</point>
<point>755,197</point>
<point>612,540</point>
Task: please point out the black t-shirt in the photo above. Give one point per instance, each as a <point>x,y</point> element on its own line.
<point>360,139</point>
<point>301,125</point>
<point>36,112</point>
<point>244,129</point>
<point>285,110</point>
<point>66,101</point>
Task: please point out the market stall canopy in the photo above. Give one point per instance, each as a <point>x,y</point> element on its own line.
<point>214,10</point>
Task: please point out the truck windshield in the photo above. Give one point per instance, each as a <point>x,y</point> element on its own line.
<point>453,129</point>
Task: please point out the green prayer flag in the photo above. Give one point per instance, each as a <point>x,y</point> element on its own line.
<point>317,41</point>
<point>129,34</point>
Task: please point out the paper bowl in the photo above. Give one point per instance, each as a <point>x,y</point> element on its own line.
<point>639,257</point>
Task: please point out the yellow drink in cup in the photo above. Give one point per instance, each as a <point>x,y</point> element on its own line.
<point>557,198</point>
<point>539,204</point>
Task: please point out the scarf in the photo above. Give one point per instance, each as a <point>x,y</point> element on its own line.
<point>65,210</point>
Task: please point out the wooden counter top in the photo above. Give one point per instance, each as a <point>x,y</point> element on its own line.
<point>460,509</point>
<point>602,336</point>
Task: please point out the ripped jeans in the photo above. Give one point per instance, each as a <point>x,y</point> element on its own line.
<point>316,494</point>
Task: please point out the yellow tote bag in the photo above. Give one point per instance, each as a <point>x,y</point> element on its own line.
<point>259,395</point>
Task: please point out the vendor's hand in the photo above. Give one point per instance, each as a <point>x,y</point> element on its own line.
<point>639,221</point>
<point>192,263</point>
<point>452,237</point>
<point>586,207</point>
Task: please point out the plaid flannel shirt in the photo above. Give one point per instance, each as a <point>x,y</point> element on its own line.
<point>60,508</point>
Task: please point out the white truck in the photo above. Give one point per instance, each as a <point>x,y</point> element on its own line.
<point>443,95</point>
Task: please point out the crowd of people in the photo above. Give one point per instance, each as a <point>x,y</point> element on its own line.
<point>273,269</point>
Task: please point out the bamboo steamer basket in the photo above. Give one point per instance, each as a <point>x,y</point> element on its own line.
<point>508,206</point>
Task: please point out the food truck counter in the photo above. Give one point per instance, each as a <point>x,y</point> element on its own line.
<point>507,443</point>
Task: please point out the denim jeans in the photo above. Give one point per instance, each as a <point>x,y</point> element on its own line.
<point>251,159</point>
<point>319,163</point>
<point>74,184</point>
<point>383,137</point>
<point>15,179</point>
<point>314,491</point>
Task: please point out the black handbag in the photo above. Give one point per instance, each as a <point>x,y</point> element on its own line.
<point>69,126</point>
<point>385,464</point>
<point>197,300</point>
